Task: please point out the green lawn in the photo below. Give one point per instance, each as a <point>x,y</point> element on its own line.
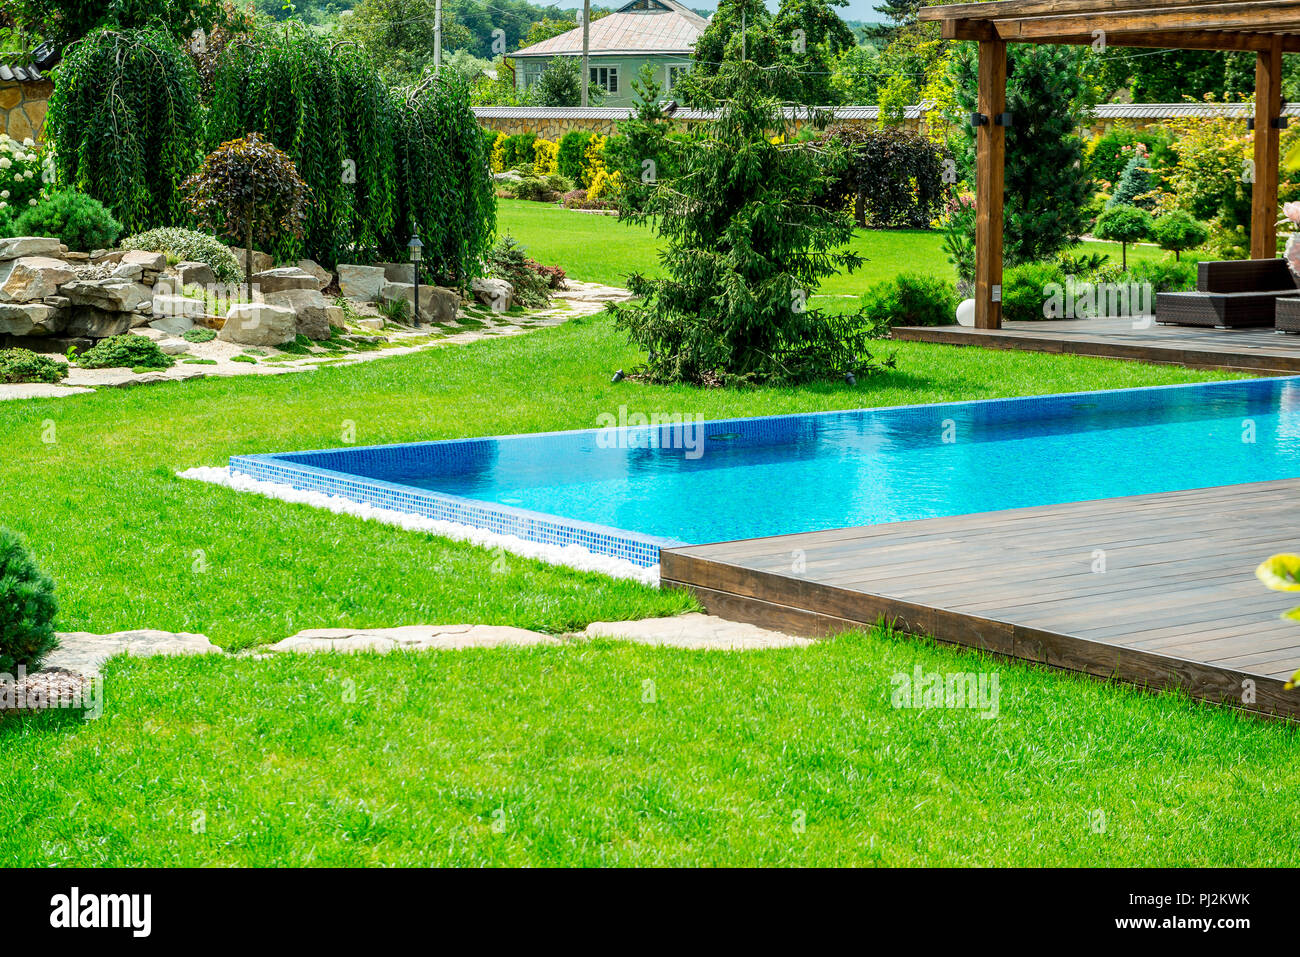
<point>597,248</point>
<point>413,760</point>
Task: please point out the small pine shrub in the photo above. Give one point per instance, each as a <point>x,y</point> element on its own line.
<point>20,365</point>
<point>188,245</point>
<point>1025,289</point>
<point>75,219</point>
<point>125,352</point>
<point>1134,183</point>
<point>27,608</point>
<point>910,299</point>
<point>1165,276</point>
<point>199,334</point>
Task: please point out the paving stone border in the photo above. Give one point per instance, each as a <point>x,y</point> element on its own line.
<point>81,655</point>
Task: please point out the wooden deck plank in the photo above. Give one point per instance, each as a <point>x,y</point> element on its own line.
<point>1178,604</point>
<point>1261,351</point>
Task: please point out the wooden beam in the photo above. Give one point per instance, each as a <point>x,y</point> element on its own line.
<point>1170,39</point>
<point>1259,16</point>
<point>1007,9</point>
<point>990,157</point>
<point>1268,106</point>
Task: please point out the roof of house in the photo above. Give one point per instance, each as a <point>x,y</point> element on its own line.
<point>1169,111</point>
<point>639,27</point>
<point>12,72</point>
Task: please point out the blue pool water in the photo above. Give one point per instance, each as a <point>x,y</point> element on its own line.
<point>626,491</point>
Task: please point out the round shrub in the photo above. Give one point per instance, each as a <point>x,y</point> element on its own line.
<point>570,157</point>
<point>910,299</point>
<point>1123,225</point>
<point>19,365</point>
<point>1025,289</point>
<point>188,245</point>
<point>199,334</point>
<point>75,219</point>
<point>1177,230</point>
<point>125,352</point>
<point>27,608</point>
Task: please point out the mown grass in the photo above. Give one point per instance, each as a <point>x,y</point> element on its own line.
<point>598,248</point>
<point>609,753</point>
<point>546,755</point>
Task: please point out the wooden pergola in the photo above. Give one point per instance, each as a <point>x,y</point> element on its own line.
<point>1268,27</point>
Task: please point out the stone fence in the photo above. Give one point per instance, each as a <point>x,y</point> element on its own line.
<point>22,107</point>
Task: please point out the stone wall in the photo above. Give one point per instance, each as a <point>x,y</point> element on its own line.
<point>22,108</point>
<point>552,128</point>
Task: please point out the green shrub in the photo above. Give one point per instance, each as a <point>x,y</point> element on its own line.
<point>518,149</point>
<point>1177,230</point>
<point>533,188</point>
<point>188,245</point>
<point>571,158</point>
<point>27,608</point>
<point>1165,276</point>
<point>1025,289</point>
<point>75,219</point>
<point>199,334</point>
<point>19,365</point>
<point>910,299</point>
<point>125,352</point>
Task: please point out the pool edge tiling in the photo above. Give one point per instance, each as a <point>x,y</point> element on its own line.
<point>536,527</point>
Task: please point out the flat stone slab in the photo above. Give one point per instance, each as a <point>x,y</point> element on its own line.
<point>411,638</point>
<point>38,390</point>
<point>83,653</point>
<point>695,631</point>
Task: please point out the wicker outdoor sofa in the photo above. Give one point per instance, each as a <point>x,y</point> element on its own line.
<point>1236,294</point>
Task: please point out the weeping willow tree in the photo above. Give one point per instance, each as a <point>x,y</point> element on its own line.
<point>284,83</point>
<point>445,186</point>
<point>368,136</point>
<point>125,122</point>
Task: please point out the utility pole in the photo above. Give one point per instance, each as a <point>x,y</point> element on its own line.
<point>437,37</point>
<point>586,47</point>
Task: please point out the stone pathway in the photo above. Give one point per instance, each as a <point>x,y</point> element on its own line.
<point>412,638</point>
<point>695,631</point>
<point>81,655</point>
<point>580,299</point>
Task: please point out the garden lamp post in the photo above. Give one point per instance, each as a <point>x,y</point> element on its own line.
<point>417,250</point>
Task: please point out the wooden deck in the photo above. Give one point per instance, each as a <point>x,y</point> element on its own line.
<point>1258,351</point>
<point>1177,604</point>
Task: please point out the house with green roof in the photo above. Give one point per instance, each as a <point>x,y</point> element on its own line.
<point>661,33</point>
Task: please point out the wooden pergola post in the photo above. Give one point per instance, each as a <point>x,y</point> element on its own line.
<point>990,156</point>
<point>1268,111</point>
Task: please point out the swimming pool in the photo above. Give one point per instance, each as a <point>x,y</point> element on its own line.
<point>625,492</point>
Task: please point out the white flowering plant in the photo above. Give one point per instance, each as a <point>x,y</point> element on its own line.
<point>21,175</point>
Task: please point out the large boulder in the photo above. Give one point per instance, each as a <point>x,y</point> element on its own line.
<point>323,275</point>
<point>497,294</point>
<point>398,272</point>
<point>31,319</point>
<point>261,261</point>
<point>436,303</point>
<point>154,262</point>
<point>310,308</point>
<point>16,247</point>
<point>190,273</point>
<point>259,324</point>
<point>361,282</point>
<point>282,278</point>
<point>35,277</point>
<point>92,323</point>
<point>110,295</point>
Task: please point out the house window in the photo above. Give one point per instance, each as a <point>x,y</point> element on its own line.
<point>675,73</point>
<point>605,76</point>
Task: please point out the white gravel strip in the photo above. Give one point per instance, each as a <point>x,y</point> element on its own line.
<point>572,556</point>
